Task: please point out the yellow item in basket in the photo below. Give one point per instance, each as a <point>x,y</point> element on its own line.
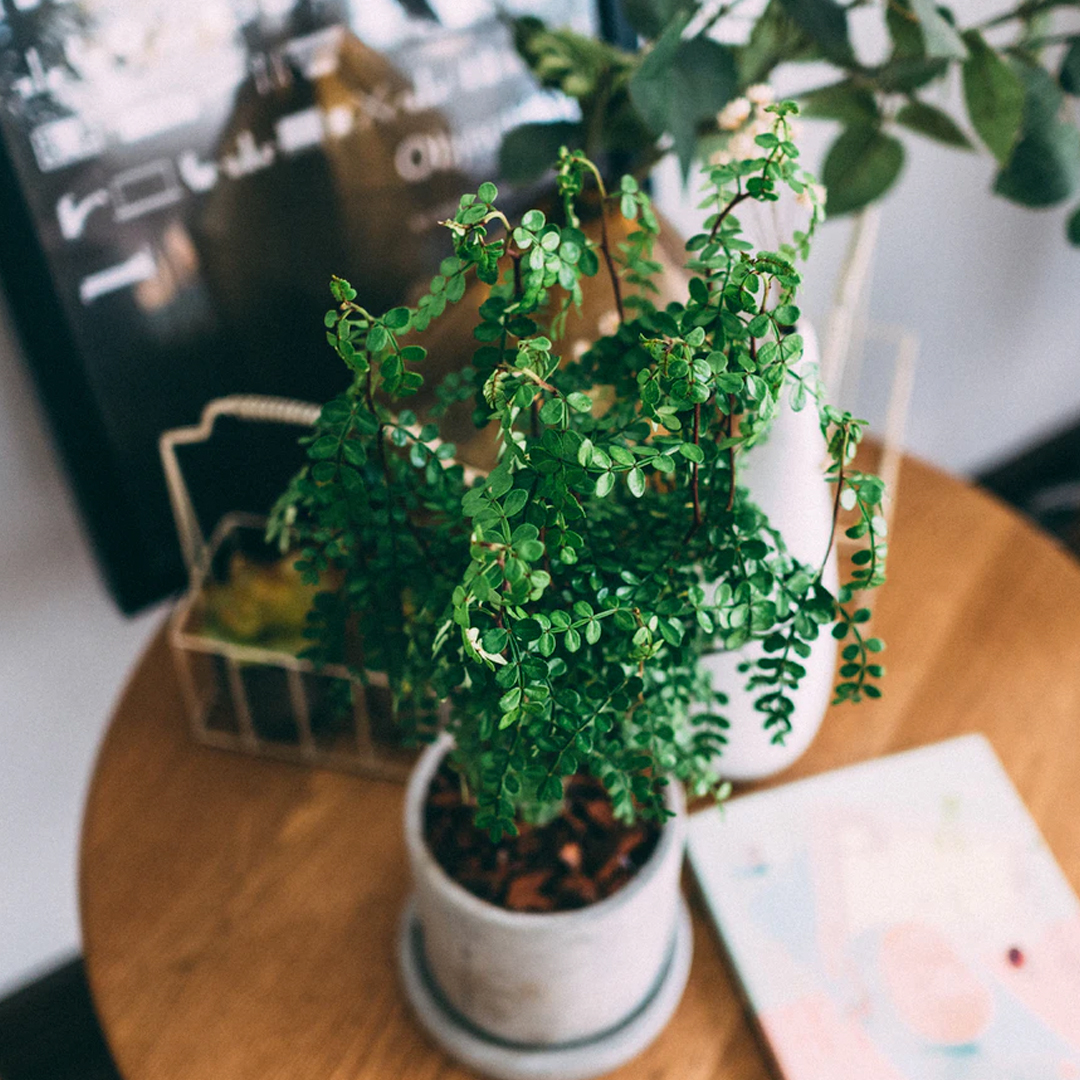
<point>264,604</point>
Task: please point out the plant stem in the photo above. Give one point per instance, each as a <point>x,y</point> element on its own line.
<point>605,243</point>
<point>727,210</point>
<point>731,452</point>
<point>694,489</point>
<point>836,502</point>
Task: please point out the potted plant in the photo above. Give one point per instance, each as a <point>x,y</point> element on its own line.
<point>561,603</point>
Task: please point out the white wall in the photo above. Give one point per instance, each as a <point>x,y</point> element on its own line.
<point>64,652</point>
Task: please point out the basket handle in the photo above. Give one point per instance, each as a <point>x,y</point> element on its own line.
<point>255,407</point>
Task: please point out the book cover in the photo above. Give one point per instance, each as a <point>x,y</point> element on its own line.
<point>901,919</point>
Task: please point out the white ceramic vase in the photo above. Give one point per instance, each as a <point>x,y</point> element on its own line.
<point>786,478</point>
<point>561,996</point>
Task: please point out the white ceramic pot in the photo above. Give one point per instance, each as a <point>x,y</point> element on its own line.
<point>786,478</point>
<point>566,995</point>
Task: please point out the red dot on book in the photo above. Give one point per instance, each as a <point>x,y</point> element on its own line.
<point>1016,957</point>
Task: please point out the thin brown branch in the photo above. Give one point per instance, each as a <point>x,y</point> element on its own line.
<point>605,247</point>
<point>515,256</point>
<point>694,489</point>
<point>724,213</point>
<point>605,243</point>
<point>731,453</point>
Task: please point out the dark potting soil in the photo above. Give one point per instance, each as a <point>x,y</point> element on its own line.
<point>584,855</point>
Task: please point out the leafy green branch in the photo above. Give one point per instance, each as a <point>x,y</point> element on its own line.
<point>685,89</point>
<point>561,602</point>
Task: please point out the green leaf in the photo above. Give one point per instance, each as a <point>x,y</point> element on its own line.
<point>843,101</point>
<point>499,481</point>
<point>774,39</point>
<point>552,411</point>
<point>530,150</point>
<point>861,166</point>
<point>903,74</point>
<point>579,401</point>
<point>377,339</point>
<point>933,123</point>
<point>682,85</point>
<point>905,31</point>
<point>534,220</point>
<point>939,35</point>
<point>530,550</point>
<point>636,480</point>
<point>1044,167</point>
<point>487,192</point>
<point>649,17</point>
<point>994,95</point>
<point>1069,76</point>
<point>692,452</point>
<point>825,21</point>
<point>397,318</point>
<point>604,483</point>
<point>515,501</point>
<point>1072,230</point>
<point>323,448</point>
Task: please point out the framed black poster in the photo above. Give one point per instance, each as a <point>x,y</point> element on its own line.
<point>180,178</point>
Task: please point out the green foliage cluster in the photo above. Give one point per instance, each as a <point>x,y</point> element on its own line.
<point>561,603</point>
<point>1016,72</point>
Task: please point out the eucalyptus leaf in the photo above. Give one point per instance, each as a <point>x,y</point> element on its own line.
<point>994,95</point>
<point>649,17</point>
<point>775,38</point>
<point>1069,75</point>
<point>825,21</point>
<point>903,74</point>
<point>1044,167</point>
<point>933,123</point>
<point>939,35</point>
<point>681,85</point>
<point>528,150</point>
<point>844,101</point>
<point>905,30</point>
<point>1072,230</point>
<point>860,167</point>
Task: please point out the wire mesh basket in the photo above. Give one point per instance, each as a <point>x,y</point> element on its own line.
<point>259,696</point>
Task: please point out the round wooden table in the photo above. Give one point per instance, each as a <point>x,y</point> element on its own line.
<point>239,915</point>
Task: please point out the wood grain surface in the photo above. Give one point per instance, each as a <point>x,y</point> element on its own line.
<point>239,915</point>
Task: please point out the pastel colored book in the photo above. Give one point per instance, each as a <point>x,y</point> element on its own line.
<point>902,919</point>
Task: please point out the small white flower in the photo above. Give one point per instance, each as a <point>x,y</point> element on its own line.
<point>761,94</point>
<point>762,125</point>
<point>733,115</point>
<point>608,323</point>
<point>473,634</point>
<point>742,146</point>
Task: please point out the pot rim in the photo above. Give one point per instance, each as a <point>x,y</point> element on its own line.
<point>672,836</point>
